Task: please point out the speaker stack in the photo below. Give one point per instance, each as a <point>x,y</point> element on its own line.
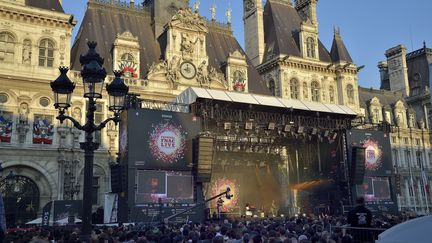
<point>205,158</point>
<point>357,165</point>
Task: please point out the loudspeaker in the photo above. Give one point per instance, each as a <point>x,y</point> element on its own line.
<point>357,165</point>
<point>205,158</point>
<point>118,178</point>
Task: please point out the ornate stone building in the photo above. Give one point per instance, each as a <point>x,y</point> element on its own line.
<point>283,44</point>
<point>163,47</point>
<point>404,102</point>
<point>35,39</point>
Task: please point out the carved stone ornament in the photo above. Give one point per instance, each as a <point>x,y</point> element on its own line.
<point>249,5</point>
<point>202,75</point>
<point>127,36</point>
<point>157,69</point>
<point>187,44</point>
<point>189,19</point>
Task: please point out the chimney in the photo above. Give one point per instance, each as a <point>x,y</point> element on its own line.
<point>398,69</point>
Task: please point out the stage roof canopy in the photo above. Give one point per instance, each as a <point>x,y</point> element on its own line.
<point>192,94</point>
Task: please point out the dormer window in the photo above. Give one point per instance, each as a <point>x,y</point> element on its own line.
<point>310,47</point>
<point>128,65</point>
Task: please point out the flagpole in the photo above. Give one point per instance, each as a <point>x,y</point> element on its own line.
<point>412,182</point>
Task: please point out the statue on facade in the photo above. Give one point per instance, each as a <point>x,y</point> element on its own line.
<point>26,53</point>
<point>77,114</point>
<point>173,72</point>
<point>202,74</point>
<point>23,113</point>
<point>196,6</point>
<point>187,45</point>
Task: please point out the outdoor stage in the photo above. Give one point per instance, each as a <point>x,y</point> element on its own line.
<point>272,153</point>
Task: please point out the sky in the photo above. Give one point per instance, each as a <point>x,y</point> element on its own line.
<point>368,27</point>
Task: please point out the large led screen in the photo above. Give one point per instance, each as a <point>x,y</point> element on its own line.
<point>375,189</point>
<point>160,140</point>
<point>377,151</point>
<point>163,186</point>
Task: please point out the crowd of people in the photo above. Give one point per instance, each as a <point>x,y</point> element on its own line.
<point>323,229</point>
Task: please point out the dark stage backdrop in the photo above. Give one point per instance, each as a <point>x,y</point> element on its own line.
<point>376,188</point>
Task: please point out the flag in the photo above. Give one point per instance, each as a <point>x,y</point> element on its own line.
<point>425,180</point>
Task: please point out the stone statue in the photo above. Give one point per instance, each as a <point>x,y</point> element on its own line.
<point>228,15</point>
<point>77,115</point>
<point>187,45</point>
<point>196,6</point>
<point>202,74</point>
<point>173,72</point>
<point>23,113</point>
<point>213,11</point>
<point>26,53</point>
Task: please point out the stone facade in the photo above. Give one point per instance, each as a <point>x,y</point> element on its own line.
<point>284,47</point>
<point>404,103</point>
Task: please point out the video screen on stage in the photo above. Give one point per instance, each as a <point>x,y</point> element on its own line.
<point>375,189</point>
<point>378,160</point>
<point>160,140</point>
<point>166,186</point>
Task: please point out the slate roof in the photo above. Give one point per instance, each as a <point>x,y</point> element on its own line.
<point>101,23</point>
<point>53,5</point>
<point>281,25</point>
<point>339,51</point>
<point>386,98</point>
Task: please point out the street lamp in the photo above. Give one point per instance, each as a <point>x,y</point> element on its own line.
<point>93,76</point>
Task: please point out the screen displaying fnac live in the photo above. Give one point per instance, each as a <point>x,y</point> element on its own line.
<point>165,186</point>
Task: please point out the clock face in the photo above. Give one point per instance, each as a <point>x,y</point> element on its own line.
<point>188,70</point>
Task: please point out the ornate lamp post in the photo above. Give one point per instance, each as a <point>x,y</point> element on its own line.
<point>93,76</point>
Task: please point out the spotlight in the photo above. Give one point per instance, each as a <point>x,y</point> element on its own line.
<point>334,136</point>
<point>291,122</point>
<point>227,125</point>
<point>248,126</point>
<point>300,129</point>
<point>326,133</point>
<point>271,126</point>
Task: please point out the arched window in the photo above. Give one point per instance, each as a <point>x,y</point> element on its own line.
<point>294,88</point>
<point>272,87</point>
<point>127,57</point>
<point>315,91</point>
<point>310,47</point>
<point>46,53</point>
<point>350,93</point>
<point>128,65</point>
<point>331,94</point>
<point>7,47</point>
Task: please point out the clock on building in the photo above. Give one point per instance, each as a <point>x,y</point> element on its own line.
<point>188,70</point>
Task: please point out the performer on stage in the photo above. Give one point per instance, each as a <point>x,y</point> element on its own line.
<point>248,210</point>
<point>274,209</point>
<point>219,205</point>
